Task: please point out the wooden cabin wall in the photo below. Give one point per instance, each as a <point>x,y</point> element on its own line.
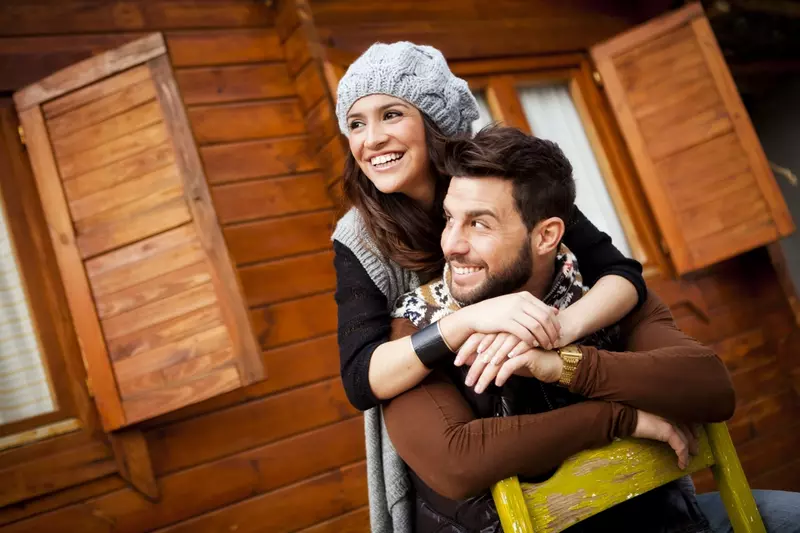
<point>286,454</point>
<point>470,29</point>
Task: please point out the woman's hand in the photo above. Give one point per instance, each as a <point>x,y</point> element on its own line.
<point>544,365</point>
<point>494,347</point>
<point>521,314</point>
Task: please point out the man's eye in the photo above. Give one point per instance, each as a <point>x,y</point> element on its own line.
<point>480,225</point>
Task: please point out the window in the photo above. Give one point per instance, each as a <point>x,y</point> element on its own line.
<point>24,383</point>
<point>550,102</point>
<point>552,115</point>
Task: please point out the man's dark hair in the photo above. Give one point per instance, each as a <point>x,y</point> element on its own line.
<point>541,173</point>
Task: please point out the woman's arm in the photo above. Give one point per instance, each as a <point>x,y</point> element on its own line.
<point>372,367</point>
<point>617,283</point>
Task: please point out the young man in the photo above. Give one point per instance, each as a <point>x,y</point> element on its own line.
<point>506,208</point>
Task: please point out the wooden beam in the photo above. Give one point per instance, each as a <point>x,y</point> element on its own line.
<point>133,461</point>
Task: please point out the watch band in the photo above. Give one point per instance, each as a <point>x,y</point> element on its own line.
<point>570,355</point>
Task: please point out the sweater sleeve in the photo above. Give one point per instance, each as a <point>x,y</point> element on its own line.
<point>662,371</point>
<point>364,324</point>
<point>598,257</point>
<point>458,455</point>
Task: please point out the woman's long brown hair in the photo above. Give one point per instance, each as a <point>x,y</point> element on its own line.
<point>403,231</point>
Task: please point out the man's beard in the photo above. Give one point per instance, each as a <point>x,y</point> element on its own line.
<point>507,281</point>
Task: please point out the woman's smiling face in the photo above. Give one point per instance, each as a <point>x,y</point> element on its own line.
<point>387,139</point>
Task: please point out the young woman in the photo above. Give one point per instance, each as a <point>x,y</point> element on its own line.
<point>397,104</point>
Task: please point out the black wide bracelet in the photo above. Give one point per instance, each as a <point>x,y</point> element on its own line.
<point>430,346</point>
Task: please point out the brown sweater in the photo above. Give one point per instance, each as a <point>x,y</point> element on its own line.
<point>663,371</point>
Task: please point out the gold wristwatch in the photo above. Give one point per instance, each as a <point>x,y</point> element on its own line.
<point>571,355</point>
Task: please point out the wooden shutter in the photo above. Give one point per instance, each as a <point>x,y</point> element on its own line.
<point>156,302</point>
<point>702,168</point>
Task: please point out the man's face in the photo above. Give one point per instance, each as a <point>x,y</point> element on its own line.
<point>485,242</point>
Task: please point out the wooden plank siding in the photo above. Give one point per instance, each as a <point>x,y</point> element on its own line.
<point>287,454</point>
<point>297,434</point>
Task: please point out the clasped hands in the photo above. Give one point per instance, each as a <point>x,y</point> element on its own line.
<point>495,357</point>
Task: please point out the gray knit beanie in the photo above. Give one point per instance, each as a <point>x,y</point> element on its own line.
<point>417,74</point>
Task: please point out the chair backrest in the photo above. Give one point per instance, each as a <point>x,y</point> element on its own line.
<point>595,480</point>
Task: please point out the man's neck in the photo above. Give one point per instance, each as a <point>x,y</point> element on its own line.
<point>541,280</point>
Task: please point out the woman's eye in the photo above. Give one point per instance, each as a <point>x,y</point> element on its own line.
<point>356,124</point>
<point>391,114</point>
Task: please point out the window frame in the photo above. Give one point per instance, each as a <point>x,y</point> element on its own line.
<point>58,345</point>
<point>500,80</point>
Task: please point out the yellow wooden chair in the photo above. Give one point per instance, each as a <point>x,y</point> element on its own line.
<point>595,480</point>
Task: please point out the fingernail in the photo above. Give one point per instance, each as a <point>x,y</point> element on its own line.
<point>480,349</point>
<point>478,389</point>
<point>511,354</point>
<point>486,359</point>
<point>469,382</point>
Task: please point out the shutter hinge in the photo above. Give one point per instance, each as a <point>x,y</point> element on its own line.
<point>598,79</point>
<point>21,133</point>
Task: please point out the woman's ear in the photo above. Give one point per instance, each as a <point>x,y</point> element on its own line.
<point>547,235</point>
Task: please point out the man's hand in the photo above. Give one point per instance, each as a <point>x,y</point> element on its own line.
<point>543,365</point>
<point>681,438</point>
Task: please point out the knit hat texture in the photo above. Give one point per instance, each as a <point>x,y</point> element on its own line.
<point>417,74</point>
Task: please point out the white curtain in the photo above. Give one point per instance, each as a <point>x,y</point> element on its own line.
<point>485,116</point>
<point>24,386</point>
<point>552,115</point>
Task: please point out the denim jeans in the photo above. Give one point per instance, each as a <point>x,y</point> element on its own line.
<point>779,510</point>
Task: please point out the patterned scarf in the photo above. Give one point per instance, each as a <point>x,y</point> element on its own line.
<point>432,302</point>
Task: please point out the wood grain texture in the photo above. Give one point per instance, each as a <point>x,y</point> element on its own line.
<point>70,264</point>
<point>133,461</point>
<point>237,477</point>
<point>95,91</point>
<point>223,47</point>
<point>95,111</point>
<point>294,320</point>
<point>239,202</point>
<point>242,122</point>
<point>92,69</point>
<point>676,105</point>
<point>278,237</point>
<point>24,18</point>
<point>231,430</point>
<point>224,276</point>
<point>301,505</point>
<point>622,468</point>
<point>288,278</point>
<point>208,85</point>
<point>260,158</point>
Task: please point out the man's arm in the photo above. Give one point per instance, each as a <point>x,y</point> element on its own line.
<point>457,455</point>
<point>663,371</point>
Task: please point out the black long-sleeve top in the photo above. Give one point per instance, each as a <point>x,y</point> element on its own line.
<point>364,313</point>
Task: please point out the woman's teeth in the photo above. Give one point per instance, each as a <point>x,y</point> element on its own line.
<point>382,160</point>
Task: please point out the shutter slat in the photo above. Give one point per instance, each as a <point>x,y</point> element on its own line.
<point>157,304</point>
<point>702,168</point>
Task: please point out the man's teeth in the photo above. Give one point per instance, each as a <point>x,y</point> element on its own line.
<point>381,159</point>
<point>465,270</point>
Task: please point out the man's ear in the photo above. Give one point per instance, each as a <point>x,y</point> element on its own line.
<point>547,235</point>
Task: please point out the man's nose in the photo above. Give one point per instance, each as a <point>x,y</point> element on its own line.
<point>454,242</point>
<point>376,136</point>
